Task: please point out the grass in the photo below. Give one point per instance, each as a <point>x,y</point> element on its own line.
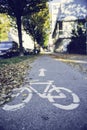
<point>14,60</point>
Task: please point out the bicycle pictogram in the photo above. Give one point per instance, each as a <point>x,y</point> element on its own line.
<point>47,94</point>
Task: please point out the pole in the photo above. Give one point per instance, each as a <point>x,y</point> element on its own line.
<point>86,36</point>
<point>86,32</point>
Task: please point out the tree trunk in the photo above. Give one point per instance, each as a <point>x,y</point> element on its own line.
<point>20,35</point>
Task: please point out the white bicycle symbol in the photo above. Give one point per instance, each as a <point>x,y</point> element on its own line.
<point>47,94</point>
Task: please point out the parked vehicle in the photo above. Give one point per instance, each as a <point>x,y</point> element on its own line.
<point>31,51</point>
<point>28,51</point>
<point>36,51</point>
<point>8,49</point>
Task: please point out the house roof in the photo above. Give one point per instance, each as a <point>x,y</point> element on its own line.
<point>72,9</point>
<point>82,2</point>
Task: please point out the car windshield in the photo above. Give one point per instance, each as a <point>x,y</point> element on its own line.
<point>5,45</point>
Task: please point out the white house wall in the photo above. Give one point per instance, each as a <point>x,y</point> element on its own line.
<point>27,40</point>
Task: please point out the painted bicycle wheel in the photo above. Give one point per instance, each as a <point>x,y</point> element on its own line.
<point>61,94</point>
<point>14,105</point>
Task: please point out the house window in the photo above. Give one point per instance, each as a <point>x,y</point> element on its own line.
<point>60,25</point>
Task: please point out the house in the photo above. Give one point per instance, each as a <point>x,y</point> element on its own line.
<point>68,13</point>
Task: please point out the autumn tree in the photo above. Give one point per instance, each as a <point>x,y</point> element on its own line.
<point>4,27</point>
<point>18,8</point>
<point>37,25</point>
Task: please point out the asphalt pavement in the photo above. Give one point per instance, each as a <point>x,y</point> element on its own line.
<point>53,97</point>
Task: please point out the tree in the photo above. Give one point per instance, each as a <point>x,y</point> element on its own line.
<point>37,25</point>
<point>78,41</point>
<point>18,8</point>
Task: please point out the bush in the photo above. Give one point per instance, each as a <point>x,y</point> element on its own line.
<point>78,42</point>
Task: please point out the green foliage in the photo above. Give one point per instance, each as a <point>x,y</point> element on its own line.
<point>4,27</point>
<point>15,60</point>
<point>37,25</point>
<point>18,8</point>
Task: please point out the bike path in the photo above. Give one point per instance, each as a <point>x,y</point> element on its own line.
<point>40,113</point>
